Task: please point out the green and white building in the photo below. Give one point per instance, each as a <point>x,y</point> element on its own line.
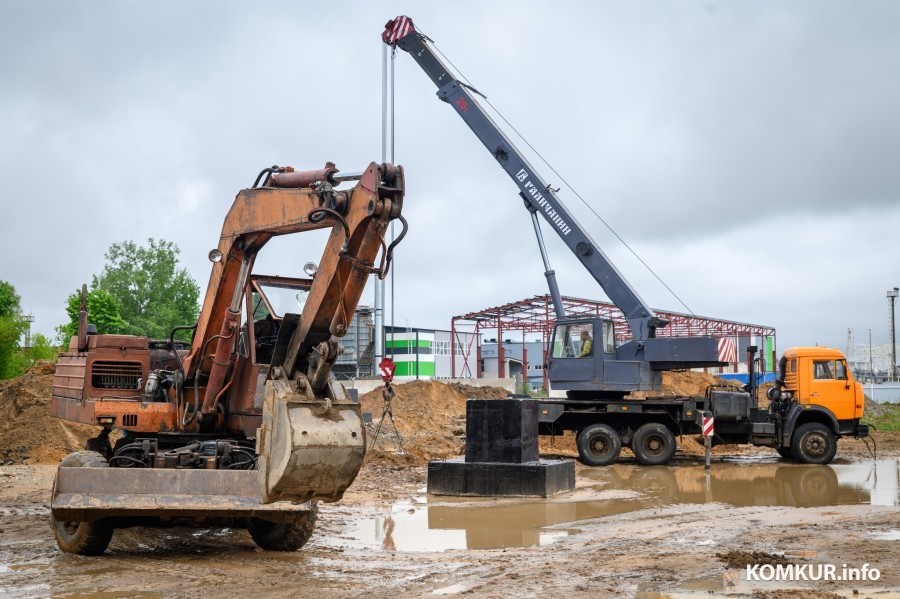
<point>426,353</point>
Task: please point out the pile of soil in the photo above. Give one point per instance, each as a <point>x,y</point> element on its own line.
<point>472,392</point>
<point>28,433</point>
<point>430,417</point>
<point>685,382</point>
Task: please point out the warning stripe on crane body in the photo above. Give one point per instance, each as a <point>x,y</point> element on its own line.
<point>396,30</point>
<point>727,350</point>
<point>708,426</point>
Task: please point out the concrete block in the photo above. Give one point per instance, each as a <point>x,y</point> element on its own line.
<point>542,478</point>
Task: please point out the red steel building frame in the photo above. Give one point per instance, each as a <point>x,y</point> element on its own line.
<point>535,315</point>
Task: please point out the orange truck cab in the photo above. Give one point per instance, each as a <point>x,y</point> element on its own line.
<point>819,402</point>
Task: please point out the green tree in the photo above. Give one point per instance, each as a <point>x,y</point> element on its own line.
<point>40,348</point>
<point>10,303</point>
<point>153,291</point>
<point>12,325</point>
<point>103,312</point>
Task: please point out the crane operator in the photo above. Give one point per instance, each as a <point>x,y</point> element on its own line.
<point>587,345</point>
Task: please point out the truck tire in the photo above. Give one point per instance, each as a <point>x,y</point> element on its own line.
<point>653,444</point>
<point>83,538</point>
<point>813,443</point>
<point>288,536</point>
<point>598,445</point>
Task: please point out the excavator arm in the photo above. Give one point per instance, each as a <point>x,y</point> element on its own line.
<point>311,443</point>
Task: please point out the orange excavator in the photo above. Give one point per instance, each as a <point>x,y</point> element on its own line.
<point>246,425</point>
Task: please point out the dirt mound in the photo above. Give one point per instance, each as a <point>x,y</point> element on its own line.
<point>472,392</point>
<point>28,433</point>
<point>431,419</point>
<point>687,382</point>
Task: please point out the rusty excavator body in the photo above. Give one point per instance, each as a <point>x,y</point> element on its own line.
<point>245,425</point>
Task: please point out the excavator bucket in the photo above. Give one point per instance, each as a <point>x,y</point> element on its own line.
<point>308,448</point>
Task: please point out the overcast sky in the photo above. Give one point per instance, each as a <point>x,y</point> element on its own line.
<point>749,152</point>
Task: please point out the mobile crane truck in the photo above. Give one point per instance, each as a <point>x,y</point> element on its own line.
<point>245,426</point>
<point>815,401</point>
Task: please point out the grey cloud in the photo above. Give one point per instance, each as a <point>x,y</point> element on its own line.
<point>689,126</point>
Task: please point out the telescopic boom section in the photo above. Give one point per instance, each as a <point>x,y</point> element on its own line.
<point>538,195</point>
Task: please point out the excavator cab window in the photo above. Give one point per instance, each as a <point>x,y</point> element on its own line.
<point>270,299</point>
<point>283,298</point>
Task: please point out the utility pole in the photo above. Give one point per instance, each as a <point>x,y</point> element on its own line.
<point>892,297</point>
<point>871,367</point>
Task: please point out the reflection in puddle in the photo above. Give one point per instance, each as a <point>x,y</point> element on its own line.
<point>485,524</point>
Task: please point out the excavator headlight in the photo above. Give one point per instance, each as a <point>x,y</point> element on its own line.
<point>215,256</point>
<point>310,268</point>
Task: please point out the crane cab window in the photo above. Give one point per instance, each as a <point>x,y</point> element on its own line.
<point>609,337</point>
<point>573,340</point>
<point>823,370</point>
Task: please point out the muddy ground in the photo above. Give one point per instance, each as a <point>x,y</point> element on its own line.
<point>625,532</point>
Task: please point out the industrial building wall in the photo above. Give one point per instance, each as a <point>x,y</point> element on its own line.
<point>412,352</point>
<point>514,360</point>
<point>426,353</point>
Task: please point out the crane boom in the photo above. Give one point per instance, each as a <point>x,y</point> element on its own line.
<point>537,193</point>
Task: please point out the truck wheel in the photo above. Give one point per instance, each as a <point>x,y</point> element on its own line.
<point>653,444</point>
<point>785,453</point>
<point>288,536</point>
<point>598,445</point>
<point>83,538</point>
<point>813,443</point>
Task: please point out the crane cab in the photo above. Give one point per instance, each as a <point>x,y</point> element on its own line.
<point>583,357</point>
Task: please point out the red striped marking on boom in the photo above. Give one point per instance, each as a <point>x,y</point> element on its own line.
<point>396,29</point>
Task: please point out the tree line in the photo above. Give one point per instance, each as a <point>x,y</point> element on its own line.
<point>142,290</point>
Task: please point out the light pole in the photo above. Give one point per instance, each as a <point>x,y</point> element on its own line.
<point>871,365</point>
<point>892,297</point>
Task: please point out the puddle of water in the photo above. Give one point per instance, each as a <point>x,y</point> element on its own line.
<point>888,535</point>
<point>765,484</point>
<point>466,523</point>
<point>452,589</point>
